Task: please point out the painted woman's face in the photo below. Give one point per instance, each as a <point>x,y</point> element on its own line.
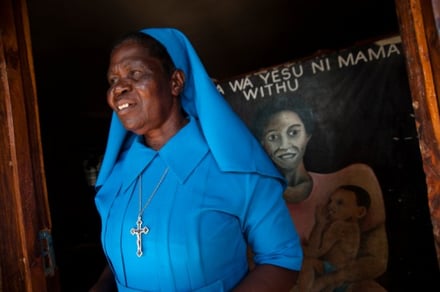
<point>285,139</point>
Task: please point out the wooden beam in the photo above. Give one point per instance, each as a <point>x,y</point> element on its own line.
<point>419,32</point>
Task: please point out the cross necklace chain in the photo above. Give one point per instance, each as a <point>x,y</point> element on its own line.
<point>139,230</point>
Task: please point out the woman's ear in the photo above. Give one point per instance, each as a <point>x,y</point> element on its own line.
<point>362,212</point>
<point>177,82</point>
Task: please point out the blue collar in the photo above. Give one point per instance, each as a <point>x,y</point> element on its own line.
<point>189,155</point>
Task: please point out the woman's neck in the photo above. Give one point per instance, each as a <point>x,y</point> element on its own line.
<point>300,185</point>
<point>156,138</point>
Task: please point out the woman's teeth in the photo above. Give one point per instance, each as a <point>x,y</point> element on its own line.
<point>122,106</point>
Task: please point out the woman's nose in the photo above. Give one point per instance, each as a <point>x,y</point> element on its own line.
<point>121,87</point>
<point>284,143</point>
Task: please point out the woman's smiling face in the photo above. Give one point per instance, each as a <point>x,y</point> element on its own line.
<point>140,91</point>
<point>285,139</point>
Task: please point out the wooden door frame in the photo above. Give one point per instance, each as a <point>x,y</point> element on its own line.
<point>23,194</point>
<point>419,22</point>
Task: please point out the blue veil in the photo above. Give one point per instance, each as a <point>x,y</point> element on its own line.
<point>232,144</point>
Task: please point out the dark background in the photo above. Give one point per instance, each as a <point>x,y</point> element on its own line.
<point>71,41</point>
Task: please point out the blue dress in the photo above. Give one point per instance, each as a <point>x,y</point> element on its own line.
<point>221,193</point>
<point>193,219</point>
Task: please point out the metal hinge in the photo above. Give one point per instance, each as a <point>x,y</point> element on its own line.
<point>47,252</point>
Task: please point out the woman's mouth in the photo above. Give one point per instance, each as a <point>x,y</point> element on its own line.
<point>123,106</point>
<point>287,156</point>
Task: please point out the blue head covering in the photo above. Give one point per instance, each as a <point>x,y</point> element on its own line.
<point>232,144</point>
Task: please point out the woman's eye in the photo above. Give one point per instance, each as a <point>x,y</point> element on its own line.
<point>112,81</point>
<point>136,74</point>
<point>293,133</point>
<point>271,137</point>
